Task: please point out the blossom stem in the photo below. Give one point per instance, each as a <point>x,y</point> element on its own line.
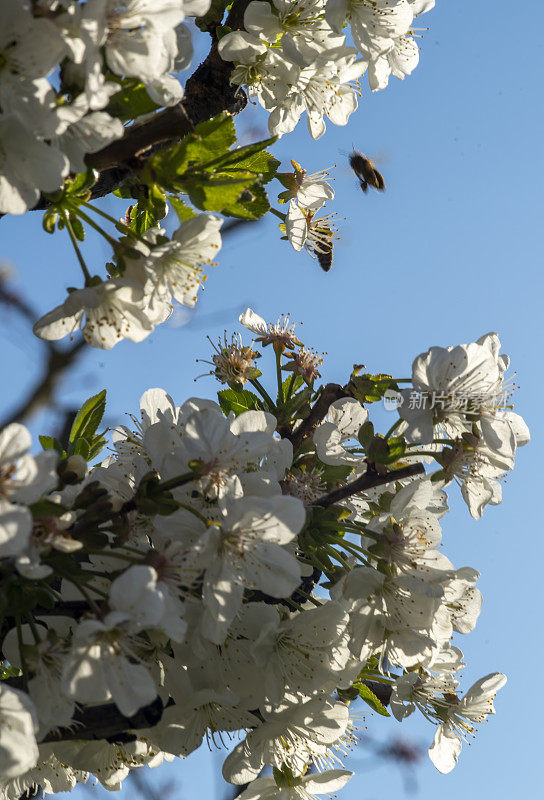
<point>21,653</point>
<point>392,428</point>
<point>278,214</point>
<point>352,546</point>
<point>82,264</point>
<point>281,398</point>
<point>432,453</point>
<point>196,513</point>
<point>33,628</point>
<point>292,603</point>
<point>178,480</point>
<point>113,554</point>
<point>132,549</point>
<point>337,556</point>
<point>264,394</point>
<point>116,222</point>
<point>86,218</point>
<point>308,597</point>
<point>91,602</point>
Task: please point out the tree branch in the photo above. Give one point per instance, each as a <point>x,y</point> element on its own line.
<point>106,722</point>
<point>208,92</point>
<point>330,393</point>
<point>369,480</point>
<point>57,363</point>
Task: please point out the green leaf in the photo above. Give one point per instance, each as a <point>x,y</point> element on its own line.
<point>336,474</point>
<point>148,211</point>
<point>370,698</point>
<point>125,192</point>
<point>251,204</point>
<point>82,183</point>
<point>366,434</point>
<point>77,227</point>
<point>397,447</point>
<point>46,508</point>
<point>81,447</point>
<point>371,388</point>
<point>131,101</point>
<point>378,450</point>
<point>217,135</point>
<point>249,157</point>
<point>209,140</point>
<point>297,383</point>
<point>88,418</point>
<point>50,443</point>
<point>9,672</point>
<point>49,220</point>
<point>218,191</point>
<point>97,445</point>
<point>238,401</point>
<point>182,211</point>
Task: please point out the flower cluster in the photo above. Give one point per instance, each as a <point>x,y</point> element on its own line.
<point>244,568</point>
<point>291,60</point>
<point>469,408</point>
<point>61,64</point>
<point>293,57</point>
<point>156,271</point>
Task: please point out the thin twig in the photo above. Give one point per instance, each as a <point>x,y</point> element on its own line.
<point>57,362</point>
<point>369,480</point>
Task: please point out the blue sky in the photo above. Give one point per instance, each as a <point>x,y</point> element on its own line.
<point>449,252</point>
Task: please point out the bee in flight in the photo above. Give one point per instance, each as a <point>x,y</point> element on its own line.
<point>366,172</point>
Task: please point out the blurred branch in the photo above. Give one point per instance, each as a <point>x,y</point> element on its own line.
<point>57,362</point>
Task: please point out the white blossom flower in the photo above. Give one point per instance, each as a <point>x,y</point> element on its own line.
<point>344,419</point>
<point>303,17</point>
<point>27,166</point>
<point>322,87</point>
<point>458,718</point>
<point>304,788</point>
<point>310,191</point>
<point>314,234</point>
<point>113,309</point>
<point>303,653</point>
<point>280,333</point>
<point>18,726</point>
<point>451,382</point>
<point>227,454</point>
<point>100,667</point>
<point>246,552</point>
<point>374,23</point>
<point>172,269</point>
<point>88,135</point>
<point>49,774</point>
<point>23,479</point>
<point>400,61</point>
<point>44,653</point>
<point>299,730</point>
<point>479,459</point>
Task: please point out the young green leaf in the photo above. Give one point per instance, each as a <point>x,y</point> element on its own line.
<point>182,211</point>
<point>50,443</point>
<point>88,418</point>
<point>370,698</point>
<point>238,401</point>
